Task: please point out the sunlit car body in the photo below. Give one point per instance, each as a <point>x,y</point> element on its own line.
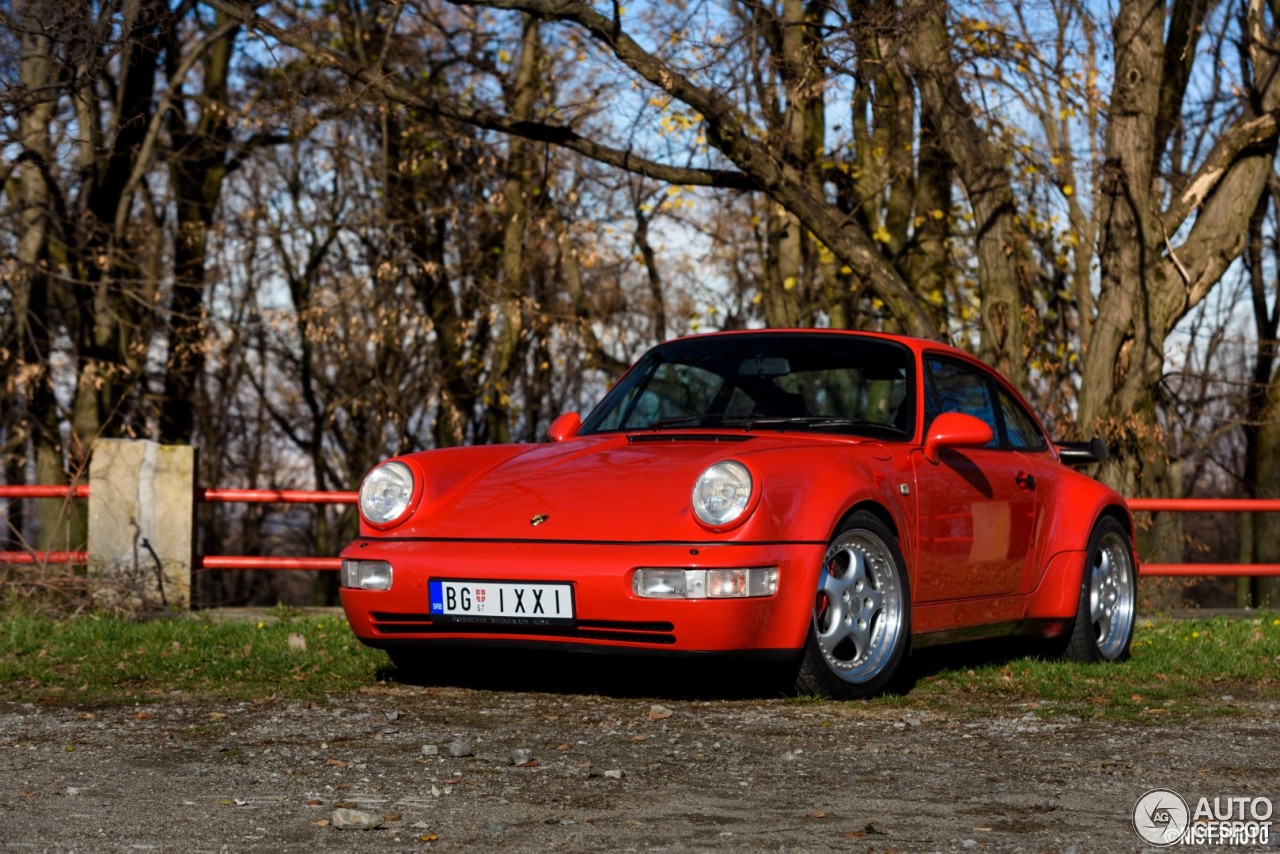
<point>823,499</point>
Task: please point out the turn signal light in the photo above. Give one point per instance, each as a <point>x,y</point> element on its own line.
<point>366,574</point>
<point>737,583</point>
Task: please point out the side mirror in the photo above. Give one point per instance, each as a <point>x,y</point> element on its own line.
<point>955,430</point>
<point>564,427</point>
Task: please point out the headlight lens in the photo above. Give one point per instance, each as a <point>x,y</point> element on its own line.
<point>722,493</point>
<point>386,492</point>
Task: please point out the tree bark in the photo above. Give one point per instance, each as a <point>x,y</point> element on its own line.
<point>1001,250</point>
<point>61,525</point>
<point>1265,481</point>
<point>198,166</point>
<point>518,194</point>
<point>112,332</point>
<point>1146,284</point>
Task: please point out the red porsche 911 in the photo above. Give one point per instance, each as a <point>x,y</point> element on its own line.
<point>821,499</point>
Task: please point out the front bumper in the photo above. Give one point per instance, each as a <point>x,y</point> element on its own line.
<point>607,612</point>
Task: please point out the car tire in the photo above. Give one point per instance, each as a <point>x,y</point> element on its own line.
<point>1105,613</point>
<point>861,625</point>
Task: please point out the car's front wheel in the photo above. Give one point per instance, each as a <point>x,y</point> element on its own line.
<point>1104,622</point>
<point>861,624</point>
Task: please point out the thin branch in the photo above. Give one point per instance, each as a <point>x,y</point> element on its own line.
<point>143,161</point>
<point>482,117</point>
<point>1241,136</point>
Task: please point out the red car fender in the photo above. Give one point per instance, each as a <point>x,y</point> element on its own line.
<point>443,473</point>
<point>809,503</point>
<point>1071,514</point>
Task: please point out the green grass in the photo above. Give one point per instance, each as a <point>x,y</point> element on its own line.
<point>1178,667</point>
<point>115,660</point>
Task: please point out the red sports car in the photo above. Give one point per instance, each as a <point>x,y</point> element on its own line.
<point>825,499</point>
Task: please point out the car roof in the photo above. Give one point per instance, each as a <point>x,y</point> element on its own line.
<point>915,343</point>
<point>919,346</point>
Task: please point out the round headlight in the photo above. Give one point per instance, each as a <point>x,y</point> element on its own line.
<point>386,492</point>
<point>722,493</point>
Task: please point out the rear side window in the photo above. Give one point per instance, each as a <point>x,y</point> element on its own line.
<point>1019,425</point>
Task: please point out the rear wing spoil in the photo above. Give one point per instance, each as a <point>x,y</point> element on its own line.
<point>1082,453</point>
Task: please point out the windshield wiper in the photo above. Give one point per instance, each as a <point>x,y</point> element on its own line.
<point>813,422</point>
<point>690,420</point>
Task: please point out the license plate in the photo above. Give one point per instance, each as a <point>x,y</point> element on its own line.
<point>508,602</point>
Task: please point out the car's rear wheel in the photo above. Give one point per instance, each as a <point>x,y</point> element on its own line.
<point>1104,622</point>
<point>861,624</point>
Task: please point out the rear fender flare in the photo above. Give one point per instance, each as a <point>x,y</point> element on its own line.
<point>1057,591</point>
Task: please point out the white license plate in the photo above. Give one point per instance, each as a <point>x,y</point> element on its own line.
<point>511,602</point>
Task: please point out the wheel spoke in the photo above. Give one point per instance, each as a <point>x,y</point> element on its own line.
<point>830,618</point>
<point>1111,595</point>
<point>860,634</point>
<point>853,603</point>
<point>837,631</point>
<point>1100,588</point>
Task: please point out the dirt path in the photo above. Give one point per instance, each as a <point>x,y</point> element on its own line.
<point>605,773</point>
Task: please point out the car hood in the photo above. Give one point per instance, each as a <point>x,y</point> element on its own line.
<point>608,488</point>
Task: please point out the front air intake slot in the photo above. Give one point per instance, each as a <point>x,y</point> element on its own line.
<point>389,624</point>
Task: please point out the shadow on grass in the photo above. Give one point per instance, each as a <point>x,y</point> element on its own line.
<point>971,655</point>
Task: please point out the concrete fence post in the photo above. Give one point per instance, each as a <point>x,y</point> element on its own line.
<point>141,521</point>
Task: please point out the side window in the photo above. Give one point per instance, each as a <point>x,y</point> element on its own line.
<point>956,387</point>
<point>1019,425</point>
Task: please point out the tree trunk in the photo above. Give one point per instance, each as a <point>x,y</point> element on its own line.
<point>61,524</point>
<point>518,193</point>
<point>197,168</point>
<point>1001,250</point>
<point>114,320</point>
<point>1260,532</point>
<point>1265,483</point>
<point>1146,285</point>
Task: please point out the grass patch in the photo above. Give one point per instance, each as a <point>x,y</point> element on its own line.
<point>109,660</point>
<point>1178,668</point>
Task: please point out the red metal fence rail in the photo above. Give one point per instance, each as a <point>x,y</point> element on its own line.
<point>299,496</point>
<point>271,496</point>
<point>206,495</point>
<point>1206,505</point>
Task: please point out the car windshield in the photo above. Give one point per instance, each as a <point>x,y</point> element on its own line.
<point>827,383</point>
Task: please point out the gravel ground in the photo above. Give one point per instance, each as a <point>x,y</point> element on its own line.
<point>494,766</point>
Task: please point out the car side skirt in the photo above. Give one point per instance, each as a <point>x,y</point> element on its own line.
<point>1035,629</point>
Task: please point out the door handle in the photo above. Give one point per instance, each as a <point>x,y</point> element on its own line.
<point>1024,480</point>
